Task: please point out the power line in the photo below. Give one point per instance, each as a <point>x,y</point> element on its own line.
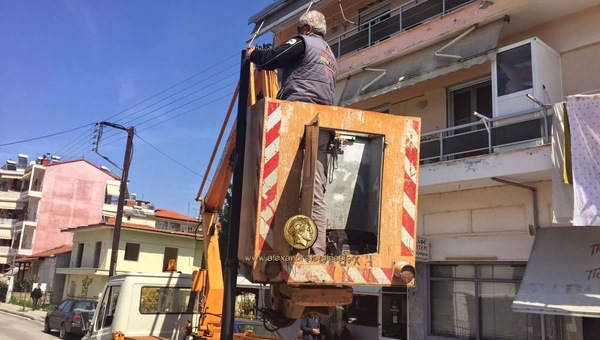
<point>169,157</point>
<point>171,87</point>
<point>178,92</point>
<point>74,143</point>
<point>45,136</point>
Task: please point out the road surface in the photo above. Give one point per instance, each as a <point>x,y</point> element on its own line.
<point>15,327</point>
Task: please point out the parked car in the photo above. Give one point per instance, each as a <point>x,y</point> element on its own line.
<point>70,317</point>
<point>256,326</point>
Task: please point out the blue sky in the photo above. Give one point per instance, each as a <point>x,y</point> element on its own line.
<point>68,63</point>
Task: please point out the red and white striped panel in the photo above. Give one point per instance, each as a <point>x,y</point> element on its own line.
<point>302,272</point>
<point>269,176</point>
<point>409,213</point>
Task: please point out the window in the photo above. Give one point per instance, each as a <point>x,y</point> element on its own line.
<point>170,254</point>
<point>473,301</point>
<point>80,248</point>
<point>415,13</point>
<point>161,225</point>
<point>97,253</point>
<point>514,70</point>
<point>394,313</point>
<point>161,300</point>
<point>175,226</point>
<point>132,251</point>
<point>85,305</point>
<point>65,306</point>
<point>107,308</point>
<point>374,13</point>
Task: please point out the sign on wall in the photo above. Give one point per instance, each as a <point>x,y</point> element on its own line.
<point>422,249</point>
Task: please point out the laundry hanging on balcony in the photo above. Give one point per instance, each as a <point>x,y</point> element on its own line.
<point>584,121</point>
<point>562,174</point>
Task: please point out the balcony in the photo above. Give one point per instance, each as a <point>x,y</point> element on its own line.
<point>25,220</point>
<point>24,250</point>
<point>394,21</point>
<point>469,155</point>
<point>7,222</point>
<point>9,195</point>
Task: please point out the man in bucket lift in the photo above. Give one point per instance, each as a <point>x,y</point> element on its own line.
<point>309,71</point>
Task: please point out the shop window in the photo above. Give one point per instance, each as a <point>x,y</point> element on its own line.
<point>473,301</point>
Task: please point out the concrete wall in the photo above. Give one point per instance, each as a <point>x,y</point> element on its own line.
<point>482,222</point>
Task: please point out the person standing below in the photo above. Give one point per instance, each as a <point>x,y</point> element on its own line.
<point>309,72</point>
<point>36,294</point>
<point>310,328</point>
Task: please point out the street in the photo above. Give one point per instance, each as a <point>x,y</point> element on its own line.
<point>16,327</point>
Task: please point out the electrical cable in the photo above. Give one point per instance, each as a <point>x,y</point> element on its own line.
<point>162,92</point>
<point>45,136</point>
<point>169,157</point>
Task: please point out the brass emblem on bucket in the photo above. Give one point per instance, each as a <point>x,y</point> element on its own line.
<point>300,232</point>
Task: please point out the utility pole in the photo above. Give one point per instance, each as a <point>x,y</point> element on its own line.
<point>124,175</point>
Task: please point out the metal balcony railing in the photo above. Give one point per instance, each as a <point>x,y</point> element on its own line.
<point>10,194</point>
<point>399,19</point>
<point>25,245</point>
<point>7,221</point>
<point>486,136</point>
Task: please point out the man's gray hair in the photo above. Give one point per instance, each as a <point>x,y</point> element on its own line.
<point>316,19</point>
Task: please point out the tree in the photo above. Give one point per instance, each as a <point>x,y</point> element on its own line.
<point>223,219</point>
<point>85,285</point>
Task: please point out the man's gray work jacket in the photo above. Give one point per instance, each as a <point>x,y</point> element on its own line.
<point>313,78</point>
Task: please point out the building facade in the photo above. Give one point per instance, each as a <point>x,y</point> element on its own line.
<point>487,79</point>
<point>141,249</point>
<point>11,208</point>
<point>55,195</point>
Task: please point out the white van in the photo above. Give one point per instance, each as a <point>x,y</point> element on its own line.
<point>143,304</point>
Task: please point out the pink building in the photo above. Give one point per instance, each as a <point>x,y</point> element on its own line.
<point>58,195</point>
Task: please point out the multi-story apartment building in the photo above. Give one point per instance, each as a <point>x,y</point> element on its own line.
<point>11,208</point>
<point>483,76</point>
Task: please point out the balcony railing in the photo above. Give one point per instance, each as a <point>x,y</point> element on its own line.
<point>10,194</point>
<point>399,19</point>
<point>31,217</point>
<point>24,245</point>
<point>7,222</point>
<point>488,135</point>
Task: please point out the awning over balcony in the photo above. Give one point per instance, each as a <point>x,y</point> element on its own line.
<point>5,234</point>
<point>475,47</point>
<point>563,273</point>
<point>6,176</point>
<point>112,188</point>
<point>274,15</point>
<point>11,205</point>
